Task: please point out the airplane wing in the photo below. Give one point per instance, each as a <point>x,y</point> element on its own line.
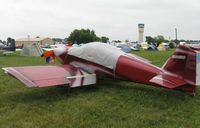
<point>168,81</point>
<point>44,76</point>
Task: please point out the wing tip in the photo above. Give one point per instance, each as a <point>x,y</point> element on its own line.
<point>11,71</point>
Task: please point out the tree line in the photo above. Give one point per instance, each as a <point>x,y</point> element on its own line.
<point>160,39</point>
<point>79,36</point>
<point>8,42</point>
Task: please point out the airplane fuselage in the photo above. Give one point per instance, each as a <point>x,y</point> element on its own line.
<point>126,67</point>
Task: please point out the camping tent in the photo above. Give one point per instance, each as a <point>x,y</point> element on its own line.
<point>146,46</point>
<point>135,46</point>
<point>32,50</point>
<point>163,46</point>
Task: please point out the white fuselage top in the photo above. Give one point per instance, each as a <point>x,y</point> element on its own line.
<point>100,53</point>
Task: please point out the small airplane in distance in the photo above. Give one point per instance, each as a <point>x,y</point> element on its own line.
<point>83,65</point>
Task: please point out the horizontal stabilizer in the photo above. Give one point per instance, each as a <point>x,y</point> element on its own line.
<point>168,81</point>
<point>44,76</point>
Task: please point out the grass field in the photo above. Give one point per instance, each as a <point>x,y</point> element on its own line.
<point>112,104</point>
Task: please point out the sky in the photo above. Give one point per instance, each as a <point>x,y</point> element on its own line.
<point>116,19</point>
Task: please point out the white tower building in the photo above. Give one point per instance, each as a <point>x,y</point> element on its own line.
<point>141,33</point>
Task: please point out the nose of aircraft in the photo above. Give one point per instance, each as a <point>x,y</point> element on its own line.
<point>60,49</point>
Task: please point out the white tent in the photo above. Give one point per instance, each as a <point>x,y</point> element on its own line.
<point>32,50</point>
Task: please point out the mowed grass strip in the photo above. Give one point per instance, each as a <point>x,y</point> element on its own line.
<point>109,103</point>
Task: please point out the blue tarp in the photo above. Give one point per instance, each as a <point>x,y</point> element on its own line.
<point>125,48</point>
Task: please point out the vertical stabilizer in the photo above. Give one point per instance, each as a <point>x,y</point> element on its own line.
<point>185,62</point>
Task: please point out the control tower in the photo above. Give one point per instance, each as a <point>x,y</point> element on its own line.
<point>141,33</point>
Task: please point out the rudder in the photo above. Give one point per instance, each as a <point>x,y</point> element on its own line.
<point>185,62</point>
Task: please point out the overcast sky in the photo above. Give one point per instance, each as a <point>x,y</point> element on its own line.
<point>116,19</point>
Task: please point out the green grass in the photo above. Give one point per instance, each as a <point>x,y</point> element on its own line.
<point>107,104</point>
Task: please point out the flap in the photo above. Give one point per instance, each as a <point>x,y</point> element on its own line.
<point>43,76</point>
<point>168,81</point>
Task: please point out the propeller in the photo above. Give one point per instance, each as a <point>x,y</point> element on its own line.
<point>49,56</point>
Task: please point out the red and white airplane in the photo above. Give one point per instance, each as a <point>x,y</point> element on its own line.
<point>83,65</point>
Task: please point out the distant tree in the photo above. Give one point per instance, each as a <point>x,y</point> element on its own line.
<point>104,39</point>
<point>166,41</point>
<point>117,41</point>
<point>12,44</point>
<point>37,37</point>
<point>83,36</point>
<point>57,40</point>
<point>159,39</point>
<point>171,45</point>
<point>126,40</point>
<point>177,42</point>
<point>182,40</point>
<point>9,39</point>
<point>150,39</point>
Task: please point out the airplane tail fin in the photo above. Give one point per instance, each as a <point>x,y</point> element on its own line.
<point>185,62</point>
